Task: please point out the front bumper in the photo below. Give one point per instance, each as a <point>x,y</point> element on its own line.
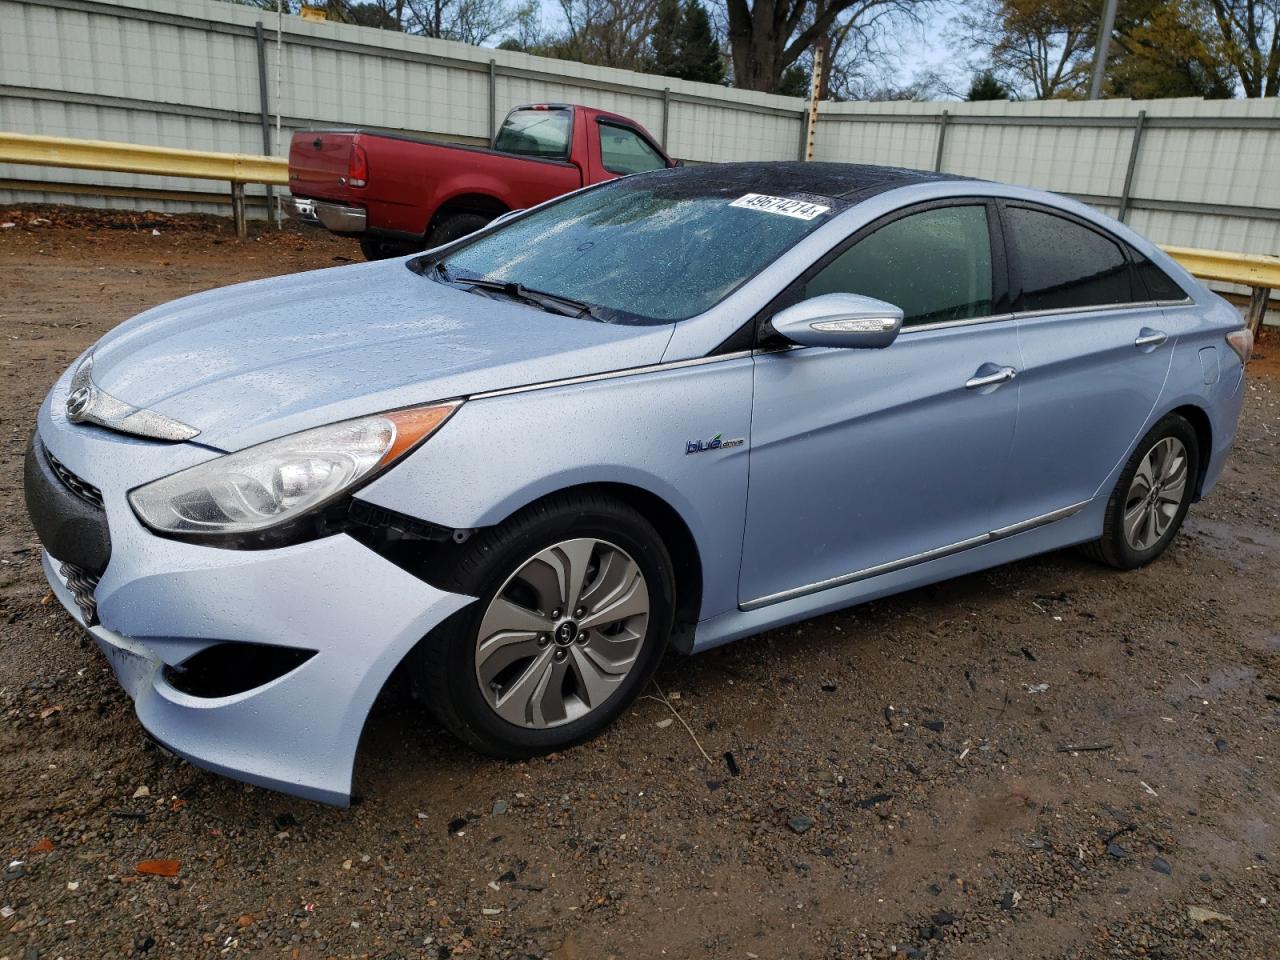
<point>337,217</point>
<point>160,602</point>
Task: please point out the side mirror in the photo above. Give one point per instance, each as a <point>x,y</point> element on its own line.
<point>504,217</point>
<point>839,320</point>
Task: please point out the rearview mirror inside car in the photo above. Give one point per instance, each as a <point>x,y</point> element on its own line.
<point>839,320</point>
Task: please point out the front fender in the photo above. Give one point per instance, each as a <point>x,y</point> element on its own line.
<point>500,453</point>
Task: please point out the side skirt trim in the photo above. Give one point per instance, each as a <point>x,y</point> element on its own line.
<point>935,554</point>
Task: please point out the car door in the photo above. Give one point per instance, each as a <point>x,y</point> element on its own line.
<point>1095,354</point>
<point>867,458</point>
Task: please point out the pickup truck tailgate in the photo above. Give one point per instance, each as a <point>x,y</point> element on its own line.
<point>318,164</point>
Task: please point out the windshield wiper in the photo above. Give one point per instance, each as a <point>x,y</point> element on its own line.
<point>551,302</point>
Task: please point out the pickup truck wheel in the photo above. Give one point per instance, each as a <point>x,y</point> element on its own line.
<point>575,600</point>
<point>455,226</point>
<point>385,249</point>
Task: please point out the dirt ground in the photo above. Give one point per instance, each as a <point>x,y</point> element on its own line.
<point>896,779</point>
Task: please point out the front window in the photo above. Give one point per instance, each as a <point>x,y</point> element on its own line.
<point>935,265</point>
<point>536,132</point>
<point>651,249</point>
<point>624,151</point>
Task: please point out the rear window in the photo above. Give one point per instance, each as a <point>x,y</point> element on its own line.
<point>647,249</point>
<point>540,132</point>
<point>1064,265</point>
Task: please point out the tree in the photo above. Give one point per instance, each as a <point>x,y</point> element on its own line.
<point>767,37</point>
<point>1044,47</point>
<point>699,51</point>
<point>1167,48</point>
<point>665,38</point>
<point>986,86</point>
<point>1249,34</point>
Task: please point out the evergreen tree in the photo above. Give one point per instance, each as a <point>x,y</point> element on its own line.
<point>700,58</point>
<point>683,44</point>
<point>666,39</point>
<point>985,86</point>
<point>794,82</point>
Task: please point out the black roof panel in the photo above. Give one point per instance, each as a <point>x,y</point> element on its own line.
<point>853,182</point>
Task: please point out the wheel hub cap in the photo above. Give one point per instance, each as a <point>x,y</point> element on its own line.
<point>562,634</point>
<point>1155,493</point>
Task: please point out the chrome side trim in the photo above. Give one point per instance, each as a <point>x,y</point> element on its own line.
<point>936,553</point>
<point>1039,521</point>
<point>1101,308</point>
<point>611,375</point>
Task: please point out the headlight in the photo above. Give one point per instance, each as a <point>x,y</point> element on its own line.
<point>276,482</point>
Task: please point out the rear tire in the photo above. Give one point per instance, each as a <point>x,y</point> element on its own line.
<point>454,227</point>
<point>1151,498</point>
<point>505,674</point>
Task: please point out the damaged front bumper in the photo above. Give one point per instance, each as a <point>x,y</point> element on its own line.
<point>330,619</point>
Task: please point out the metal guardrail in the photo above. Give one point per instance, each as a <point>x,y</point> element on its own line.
<point>1261,274</point>
<point>234,168</point>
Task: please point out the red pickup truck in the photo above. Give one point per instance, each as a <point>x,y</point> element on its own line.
<point>399,194</point>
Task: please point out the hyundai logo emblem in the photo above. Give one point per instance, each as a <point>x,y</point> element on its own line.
<point>79,402</point>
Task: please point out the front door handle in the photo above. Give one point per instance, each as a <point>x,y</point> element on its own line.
<point>1150,338</point>
<point>1002,375</point>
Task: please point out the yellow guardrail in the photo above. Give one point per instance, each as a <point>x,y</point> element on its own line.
<point>1260,273</point>
<point>1251,270</point>
<point>134,158</point>
<point>234,168</point>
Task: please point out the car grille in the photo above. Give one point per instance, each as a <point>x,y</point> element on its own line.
<point>81,488</point>
<point>82,585</point>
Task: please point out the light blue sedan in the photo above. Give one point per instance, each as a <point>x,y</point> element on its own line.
<point>672,410</point>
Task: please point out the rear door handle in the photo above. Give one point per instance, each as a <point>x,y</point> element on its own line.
<point>1150,338</point>
<point>1002,375</point>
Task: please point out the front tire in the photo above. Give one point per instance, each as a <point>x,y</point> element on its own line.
<point>576,597</point>
<point>1151,498</point>
<point>454,227</point>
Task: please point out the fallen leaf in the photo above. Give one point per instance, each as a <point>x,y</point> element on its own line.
<point>49,711</point>
<point>142,791</point>
<point>43,845</point>
<point>160,868</point>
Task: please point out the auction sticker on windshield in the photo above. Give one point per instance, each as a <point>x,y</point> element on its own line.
<point>800,209</point>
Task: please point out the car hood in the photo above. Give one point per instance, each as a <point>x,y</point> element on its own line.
<point>251,362</point>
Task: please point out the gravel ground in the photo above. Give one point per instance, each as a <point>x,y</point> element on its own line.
<point>896,779</point>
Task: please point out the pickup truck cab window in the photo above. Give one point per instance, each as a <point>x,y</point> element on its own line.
<point>1065,265</point>
<point>624,151</point>
<point>649,249</point>
<point>954,242</point>
<point>536,132</point>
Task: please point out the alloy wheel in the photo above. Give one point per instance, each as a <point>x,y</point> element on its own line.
<point>1155,493</point>
<point>562,634</point>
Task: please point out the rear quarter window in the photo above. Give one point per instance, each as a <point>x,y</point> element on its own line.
<point>1157,284</point>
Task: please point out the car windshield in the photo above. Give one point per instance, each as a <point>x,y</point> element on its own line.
<point>536,132</point>
<point>655,248</point>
